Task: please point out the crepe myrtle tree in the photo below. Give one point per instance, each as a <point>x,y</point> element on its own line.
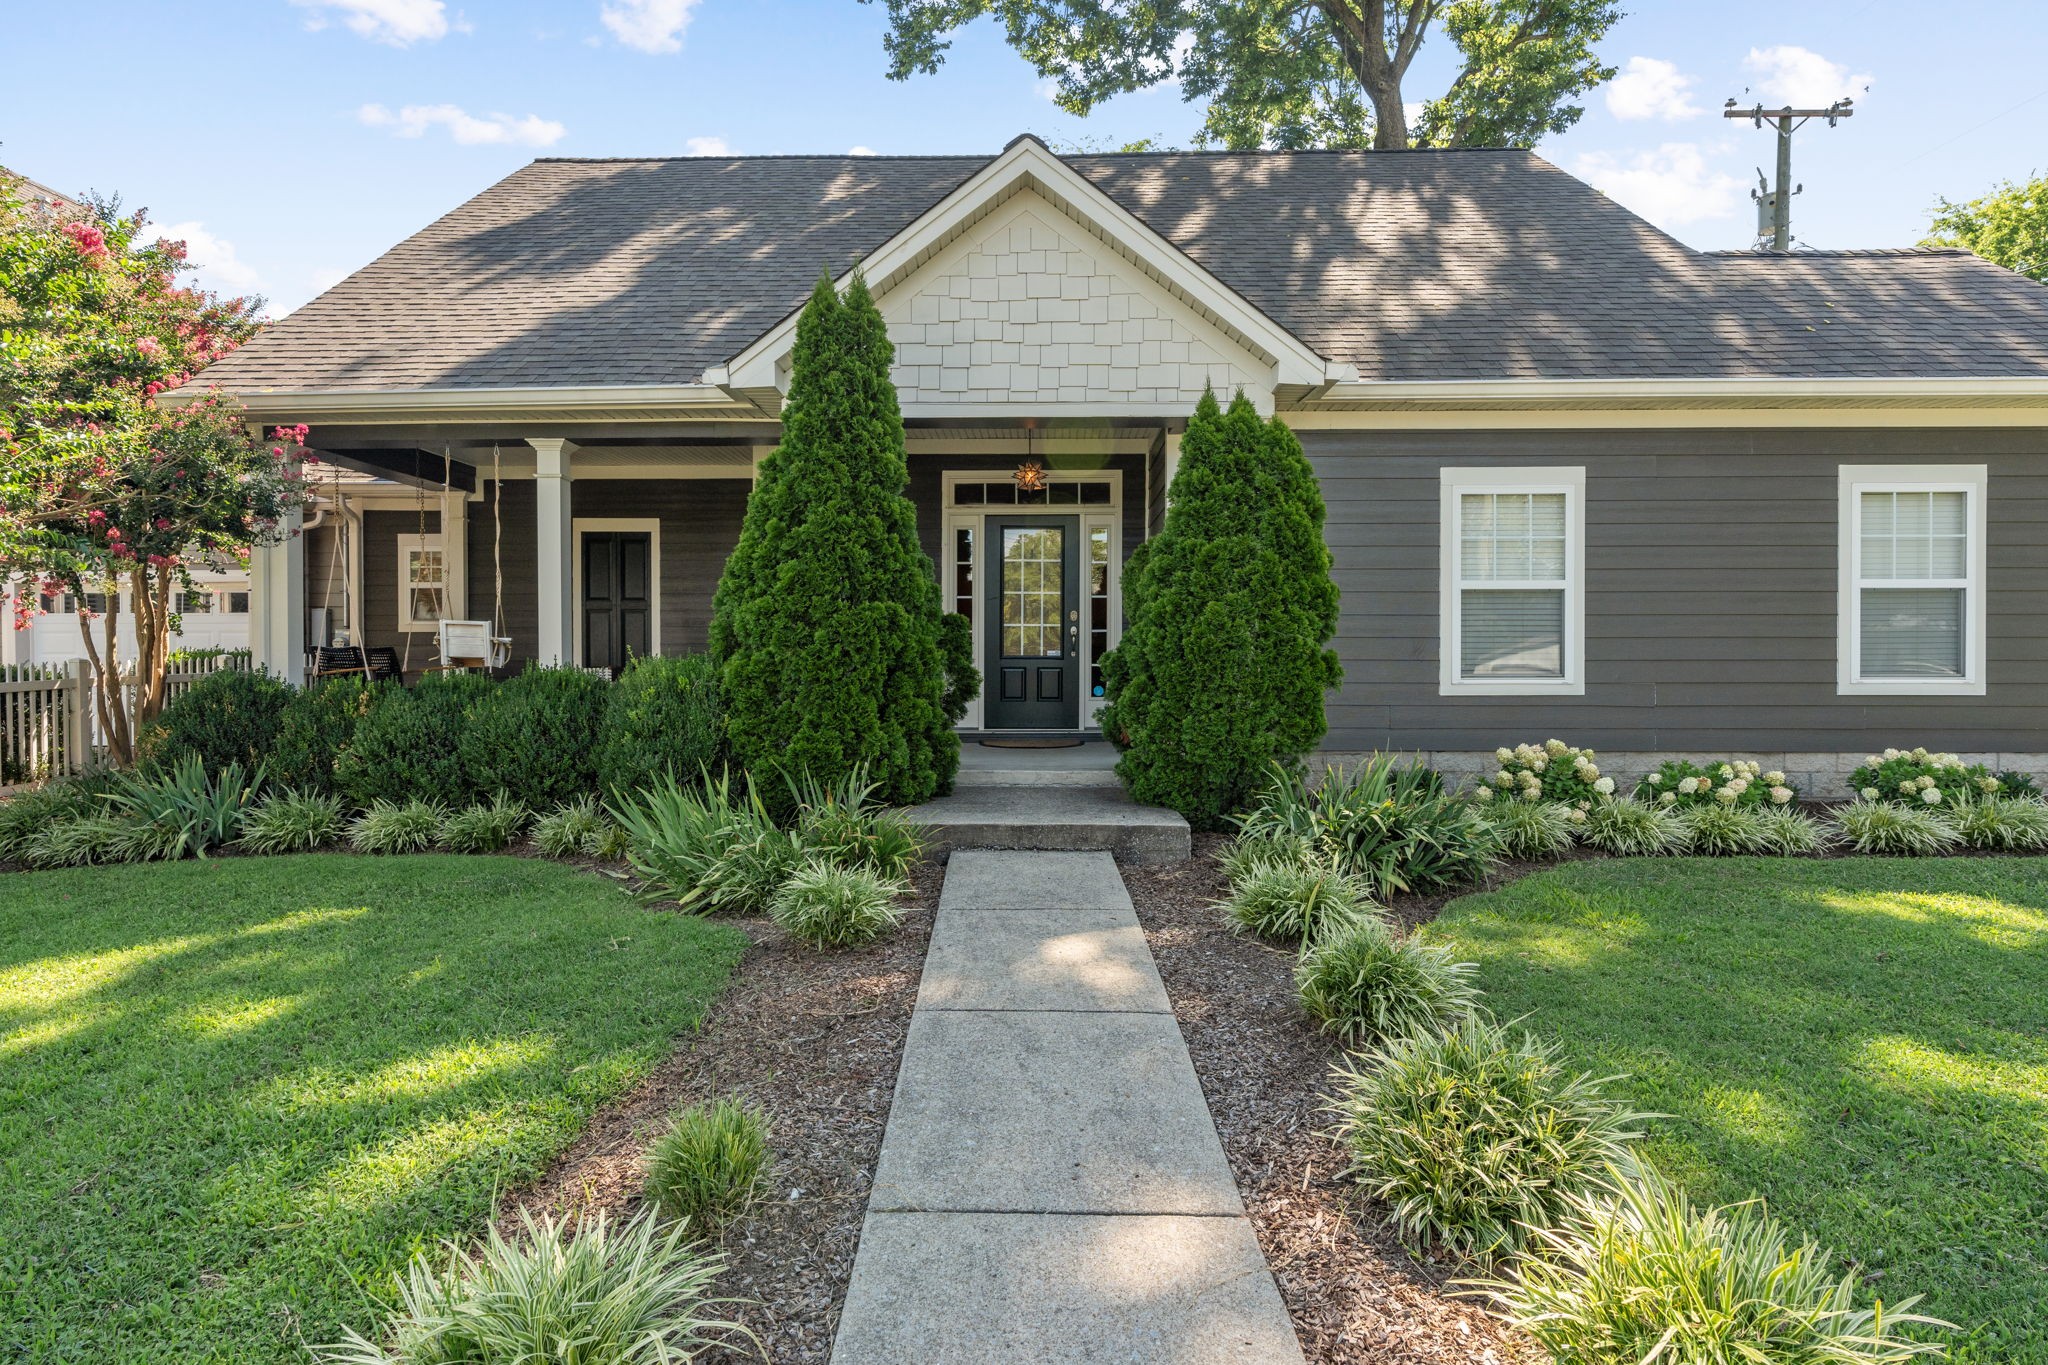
<point>102,487</point>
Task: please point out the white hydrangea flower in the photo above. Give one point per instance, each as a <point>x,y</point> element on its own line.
<point>1871,760</point>
<point>1726,795</point>
<point>1504,754</point>
<point>1483,794</point>
<point>1605,786</point>
<point>1989,784</point>
<point>1539,763</point>
<point>1655,779</point>
<point>1667,799</point>
<point>1503,778</point>
<point>1688,785</point>
<point>1919,755</point>
<point>1577,816</point>
<point>1931,795</point>
<point>1556,748</point>
<point>1926,783</point>
<point>1890,754</point>
<point>1776,779</point>
<point>1739,785</point>
<point>1532,794</point>
<point>1780,794</point>
<point>1727,771</point>
<point>1909,786</point>
<point>1870,793</point>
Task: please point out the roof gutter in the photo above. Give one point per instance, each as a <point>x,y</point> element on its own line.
<point>1603,392</point>
<point>307,404</point>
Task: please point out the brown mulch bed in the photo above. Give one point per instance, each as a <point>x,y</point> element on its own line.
<point>1355,1293</point>
<point>814,1039</point>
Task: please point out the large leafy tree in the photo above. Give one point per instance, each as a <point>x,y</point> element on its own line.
<point>1297,73</point>
<point>101,486</point>
<point>1228,613</point>
<point>826,627</point>
<point>2008,226</point>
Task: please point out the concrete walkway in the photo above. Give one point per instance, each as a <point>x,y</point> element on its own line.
<point>1051,1188</point>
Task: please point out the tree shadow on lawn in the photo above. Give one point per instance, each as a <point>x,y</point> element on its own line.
<point>1863,1043</point>
<point>235,1097</point>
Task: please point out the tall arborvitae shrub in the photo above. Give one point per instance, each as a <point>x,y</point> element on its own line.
<point>1227,617</point>
<point>826,625</point>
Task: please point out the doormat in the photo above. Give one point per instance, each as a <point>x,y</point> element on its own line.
<point>1056,743</point>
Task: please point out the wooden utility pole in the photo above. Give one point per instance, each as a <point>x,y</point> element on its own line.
<point>1777,201</point>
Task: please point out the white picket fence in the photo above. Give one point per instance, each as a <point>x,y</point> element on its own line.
<point>46,713</point>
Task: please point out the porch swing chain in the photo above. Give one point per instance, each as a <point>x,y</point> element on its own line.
<point>497,543</point>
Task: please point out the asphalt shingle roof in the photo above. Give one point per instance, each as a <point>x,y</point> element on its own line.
<point>1413,266</point>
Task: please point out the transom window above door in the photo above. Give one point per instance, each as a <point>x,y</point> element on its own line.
<point>1513,597</point>
<point>1057,492</point>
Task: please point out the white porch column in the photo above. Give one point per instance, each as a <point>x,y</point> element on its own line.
<point>455,555</point>
<point>553,546</point>
<point>277,602</point>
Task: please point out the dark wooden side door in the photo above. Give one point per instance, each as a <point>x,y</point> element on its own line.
<point>618,598</point>
<point>1033,604</point>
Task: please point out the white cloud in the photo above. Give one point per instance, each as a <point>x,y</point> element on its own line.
<point>708,146</point>
<point>1651,88</point>
<point>464,127</point>
<point>1046,89</point>
<point>215,259</point>
<point>649,25</point>
<point>401,23</point>
<point>1671,186</point>
<point>1796,76</point>
<point>860,151</point>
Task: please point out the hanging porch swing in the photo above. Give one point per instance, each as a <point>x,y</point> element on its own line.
<point>471,646</point>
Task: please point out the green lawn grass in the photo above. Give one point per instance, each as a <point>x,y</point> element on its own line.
<point>1863,1042</point>
<point>235,1096</point>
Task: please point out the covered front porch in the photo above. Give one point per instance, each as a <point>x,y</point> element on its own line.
<point>594,546</point>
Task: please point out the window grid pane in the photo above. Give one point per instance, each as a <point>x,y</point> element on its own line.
<point>1913,633</point>
<point>1511,537</point>
<point>1913,536</point>
<point>1032,590</point>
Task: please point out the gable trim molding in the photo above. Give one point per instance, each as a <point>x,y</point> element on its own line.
<point>1028,164</point>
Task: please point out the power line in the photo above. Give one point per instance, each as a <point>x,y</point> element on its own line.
<point>1975,127</point>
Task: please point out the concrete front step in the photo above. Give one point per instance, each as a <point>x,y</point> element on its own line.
<point>1092,764</point>
<point>1059,819</point>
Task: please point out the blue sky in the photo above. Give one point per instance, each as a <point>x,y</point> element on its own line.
<point>290,141</point>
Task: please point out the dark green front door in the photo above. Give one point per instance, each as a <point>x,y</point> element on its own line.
<point>1034,613</point>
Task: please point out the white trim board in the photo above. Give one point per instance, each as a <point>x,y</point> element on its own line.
<point>577,526</point>
<point>1971,480</point>
<point>1456,480</point>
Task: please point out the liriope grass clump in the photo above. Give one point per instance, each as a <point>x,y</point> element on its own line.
<point>1366,983</point>
<point>397,827</point>
<point>1631,828</point>
<point>576,829</point>
<point>1530,829</point>
<point>708,845</point>
<point>2017,824</point>
<point>485,827</point>
<point>841,823</point>
<point>1908,831</point>
<point>1474,1136</point>
<point>828,906</point>
<point>1289,902</point>
<point>708,1166</point>
<point>87,840</point>
<point>590,1289</point>
<point>291,822</point>
<point>1788,831</point>
<point>1722,830</point>
<point>1640,1274</point>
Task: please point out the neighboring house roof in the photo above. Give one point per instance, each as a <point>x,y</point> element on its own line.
<point>1459,265</point>
<point>37,192</point>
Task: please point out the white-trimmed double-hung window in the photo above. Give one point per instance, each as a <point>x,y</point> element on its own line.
<point>422,582</point>
<point>1514,582</point>
<point>1912,580</point>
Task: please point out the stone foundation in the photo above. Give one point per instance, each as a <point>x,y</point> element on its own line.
<point>1819,777</point>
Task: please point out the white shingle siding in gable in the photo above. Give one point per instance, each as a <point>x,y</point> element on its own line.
<point>1032,308</point>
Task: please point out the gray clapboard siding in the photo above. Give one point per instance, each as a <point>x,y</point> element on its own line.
<point>1711,566</point>
<point>381,531</point>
